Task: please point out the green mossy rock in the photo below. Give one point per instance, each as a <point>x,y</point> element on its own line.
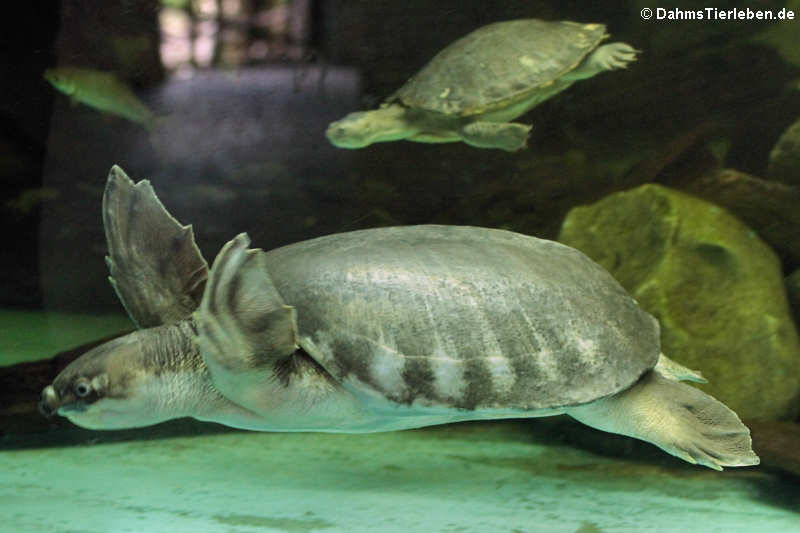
<point>716,288</point>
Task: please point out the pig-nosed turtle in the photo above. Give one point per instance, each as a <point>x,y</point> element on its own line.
<point>472,89</point>
<point>378,330</point>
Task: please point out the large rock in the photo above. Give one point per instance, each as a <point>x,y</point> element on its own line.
<point>714,285</point>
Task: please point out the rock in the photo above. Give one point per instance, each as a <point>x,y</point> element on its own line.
<point>716,288</point>
<point>784,160</point>
<point>777,444</point>
<point>769,207</point>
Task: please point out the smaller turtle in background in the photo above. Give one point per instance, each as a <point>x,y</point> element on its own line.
<point>472,89</point>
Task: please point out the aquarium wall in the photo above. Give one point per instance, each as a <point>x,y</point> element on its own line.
<point>675,166</point>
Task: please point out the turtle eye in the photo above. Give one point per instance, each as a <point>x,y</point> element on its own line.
<point>82,389</point>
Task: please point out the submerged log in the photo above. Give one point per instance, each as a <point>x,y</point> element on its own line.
<point>682,160</point>
<point>793,292</point>
<point>776,443</point>
<point>769,207</point>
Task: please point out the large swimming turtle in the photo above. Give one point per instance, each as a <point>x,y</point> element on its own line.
<point>379,330</point>
<point>472,89</point>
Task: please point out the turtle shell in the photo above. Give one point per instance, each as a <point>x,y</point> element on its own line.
<point>463,317</point>
<point>498,65</point>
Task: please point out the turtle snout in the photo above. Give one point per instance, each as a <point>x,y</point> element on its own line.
<point>49,403</point>
<point>336,131</point>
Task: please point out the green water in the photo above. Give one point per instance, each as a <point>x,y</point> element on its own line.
<point>29,335</point>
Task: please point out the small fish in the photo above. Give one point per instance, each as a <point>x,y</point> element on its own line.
<point>102,91</point>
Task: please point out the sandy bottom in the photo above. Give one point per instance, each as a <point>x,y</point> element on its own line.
<point>473,477</point>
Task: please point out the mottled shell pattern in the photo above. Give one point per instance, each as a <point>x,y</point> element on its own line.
<point>464,317</point>
<point>499,65</point>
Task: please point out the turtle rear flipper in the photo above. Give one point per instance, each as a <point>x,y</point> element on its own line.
<point>681,420</point>
<point>156,268</point>
<point>243,326</point>
<point>505,136</point>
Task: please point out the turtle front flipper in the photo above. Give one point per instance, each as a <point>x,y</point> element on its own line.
<point>508,136</point>
<point>681,420</point>
<point>243,326</point>
<point>156,268</point>
<point>611,56</point>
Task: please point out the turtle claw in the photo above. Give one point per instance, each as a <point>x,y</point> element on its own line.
<point>611,56</point>
<point>615,56</point>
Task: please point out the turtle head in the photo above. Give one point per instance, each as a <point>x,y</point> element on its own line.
<point>363,128</point>
<point>131,381</point>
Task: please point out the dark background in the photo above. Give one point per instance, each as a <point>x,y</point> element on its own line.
<point>242,147</point>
